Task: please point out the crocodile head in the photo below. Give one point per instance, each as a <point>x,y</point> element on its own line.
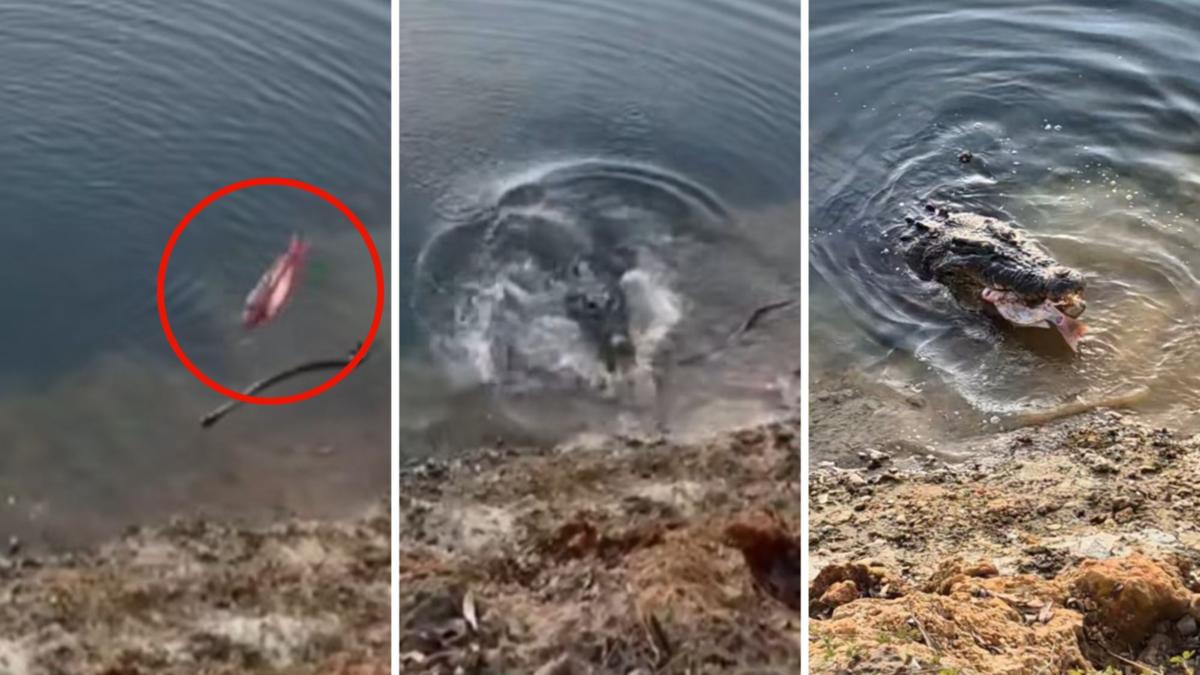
<point>969,253</point>
<point>596,302</point>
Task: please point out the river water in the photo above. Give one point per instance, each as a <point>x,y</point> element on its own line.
<point>118,117</point>
<point>1084,122</point>
<point>536,133</point>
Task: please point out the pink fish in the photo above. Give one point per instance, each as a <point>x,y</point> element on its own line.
<point>1071,329</point>
<point>275,287</point>
<point>1011,307</point>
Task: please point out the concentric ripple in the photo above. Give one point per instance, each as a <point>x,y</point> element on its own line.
<point>490,286</point>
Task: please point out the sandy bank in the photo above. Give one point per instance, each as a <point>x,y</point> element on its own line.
<point>295,598</point>
<point>618,555</point>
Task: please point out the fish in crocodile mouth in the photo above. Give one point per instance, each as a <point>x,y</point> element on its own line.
<point>1045,314</point>
<point>989,264</point>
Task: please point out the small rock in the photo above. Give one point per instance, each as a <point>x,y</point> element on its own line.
<point>1186,626</point>
<point>839,594</point>
<point>1099,464</point>
<point>1157,649</point>
<point>563,665</point>
<point>874,458</point>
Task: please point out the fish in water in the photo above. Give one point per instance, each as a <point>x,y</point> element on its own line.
<point>1042,315</point>
<point>271,293</point>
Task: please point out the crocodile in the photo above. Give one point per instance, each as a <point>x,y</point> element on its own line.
<point>586,268</point>
<point>596,302</point>
<point>978,258</point>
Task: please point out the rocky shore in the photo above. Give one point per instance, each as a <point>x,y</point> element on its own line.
<point>607,555</point>
<point>294,598</point>
<point>1066,548</point>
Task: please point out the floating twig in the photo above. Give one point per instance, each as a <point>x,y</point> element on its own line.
<point>746,326</point>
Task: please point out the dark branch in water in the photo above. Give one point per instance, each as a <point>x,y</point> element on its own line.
<point>746,326</point>
<point>306,367</point>
<point>759,313</point>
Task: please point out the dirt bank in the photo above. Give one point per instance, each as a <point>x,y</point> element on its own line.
<point>295,598</point>
<point>616,555</point>
<point>1065,548</point>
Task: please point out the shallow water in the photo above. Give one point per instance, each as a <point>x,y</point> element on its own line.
<point>1082,118</point>
<point>118,118</point>
<point>548,132</point>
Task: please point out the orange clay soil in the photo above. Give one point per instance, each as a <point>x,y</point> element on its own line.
<point>1068,548</point>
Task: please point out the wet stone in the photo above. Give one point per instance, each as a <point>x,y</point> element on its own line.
<point>1186,626</point>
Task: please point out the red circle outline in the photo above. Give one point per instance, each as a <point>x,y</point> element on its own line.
<point>208,201</point>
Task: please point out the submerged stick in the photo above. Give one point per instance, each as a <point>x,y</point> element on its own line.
<point>306,367</point>
<point>746,326</point>
<point>759,313</point>
<point>1115,402</point>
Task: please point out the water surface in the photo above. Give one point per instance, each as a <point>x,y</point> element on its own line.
<point>1083,121</point>
<point>117,118</point>
<point>669,131</point>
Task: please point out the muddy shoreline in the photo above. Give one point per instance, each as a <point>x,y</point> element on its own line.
<point>605,555</point>
<point>1067,547</point>
<point>199,596</point>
